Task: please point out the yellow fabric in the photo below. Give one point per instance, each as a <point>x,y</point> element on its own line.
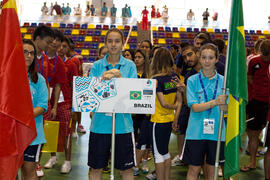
<point>163,115</point>
<point>103,32</point>
<point>120,27</point>
<point>154,28</point>
<point>182,29</point>
<point>101,45</point>
<point>23,30</point>
<point>55,25</point>
<point>85,52</point>
<point>161,41</point>
<point>127,46</point>
<point>210,30</point>
<point>91,26</point>
<point>27,36</point>
<point>175,35</point>
<point>265,32</point>
<point>88,39</point>
<point>75,32</point>
<point>51,130</point>
<point>10,4</point>
<point>134,34</point>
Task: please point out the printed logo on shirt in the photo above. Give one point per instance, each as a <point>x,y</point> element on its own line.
<point>169,85</point>
<point>135,95</point>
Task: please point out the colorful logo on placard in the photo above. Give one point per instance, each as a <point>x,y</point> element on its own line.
<point>135,95</point>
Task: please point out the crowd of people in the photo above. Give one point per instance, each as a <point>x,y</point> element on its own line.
<point>188,101</point>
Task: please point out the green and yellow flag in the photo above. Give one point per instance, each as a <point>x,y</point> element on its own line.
<point>237,84</point>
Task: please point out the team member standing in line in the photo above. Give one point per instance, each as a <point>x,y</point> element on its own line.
<point>204,97</point>
<point>39,93</point>
<point>113,65</point>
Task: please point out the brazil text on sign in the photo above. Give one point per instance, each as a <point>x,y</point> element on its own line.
<point>121,95</point>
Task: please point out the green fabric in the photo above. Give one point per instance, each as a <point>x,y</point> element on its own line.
<point>237,83</point>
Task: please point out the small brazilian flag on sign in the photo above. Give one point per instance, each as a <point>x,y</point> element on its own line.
<point>135,95</point>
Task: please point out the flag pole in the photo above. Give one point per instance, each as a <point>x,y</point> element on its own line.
<point>221,117</point>
<point>113,146</point>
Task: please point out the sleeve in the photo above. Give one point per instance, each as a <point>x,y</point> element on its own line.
<point>60,73</point>
<point>42,95</point>
<point>133,71</point>
<point>250,67</point>
<point>93,71</point>
<point>191,93</point>
<point>160,86</point>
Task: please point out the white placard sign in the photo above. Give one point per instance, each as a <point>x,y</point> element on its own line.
<point>120,95</point>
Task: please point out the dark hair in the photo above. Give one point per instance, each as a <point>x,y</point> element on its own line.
<point>131,52</point>
<point>42,32</point>
<point>220,44</point>
<point>183,44</point>
<point>114,30</point>
<point>58,34</point>
<point>189,46</point>
<point>210,46</point>
<point>162,62</point>
<point>203,35</point>
<point>265,47</point>
<point>153,51</point>
<point>148,41</point>
<point>175,47</point>
<point>33,67</point>
<point>72,44</point>
<point>146,61</point>
<point>258,44</point>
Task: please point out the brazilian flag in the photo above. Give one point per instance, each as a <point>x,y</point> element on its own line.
<point>237,85</point>
<point>135,95</point>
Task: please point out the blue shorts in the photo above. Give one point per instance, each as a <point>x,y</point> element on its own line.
<point>161,133</point>
<point>100,151</point>
<point>32,152</point>
<point>144,140</point>
<point>195,152</point>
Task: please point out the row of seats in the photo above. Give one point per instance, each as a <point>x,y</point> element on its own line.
<point>81,26</point>
<point>81,32</point>
<point>185,35</point>
<point>210,30</point>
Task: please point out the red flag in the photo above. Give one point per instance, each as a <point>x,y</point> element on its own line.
<point>17,124</point>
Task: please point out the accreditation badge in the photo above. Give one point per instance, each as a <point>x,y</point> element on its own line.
<point>208,126</point>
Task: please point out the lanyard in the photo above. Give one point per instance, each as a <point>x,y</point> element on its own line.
<point>39,70</point>
<point>55,58</point>
<point>205,94</point>
<point>117,68</point>
<point>64,59</point>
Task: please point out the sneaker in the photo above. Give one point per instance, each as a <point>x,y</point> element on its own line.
<point>145,168</point>
<point>52,161</point>
<point>39,171</point>
<point>220,174</point>
<point>136,171</point>
<point>80,129</point>
<point>176,161</point>
<point>74,135</point>
<point>151,176</point>
<point>66,167</point>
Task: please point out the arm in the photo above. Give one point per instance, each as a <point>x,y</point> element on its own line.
<point>163,102</point>
<point>220,101</point>
<point>177,111</point>
<point>57,90</point>
<point>38,111</point>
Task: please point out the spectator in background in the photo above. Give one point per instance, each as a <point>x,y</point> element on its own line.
<point>158,15</point>
<point>205,16</point>
<point>50,12</point>
<point>68,9</point>
<point>113,11</point>
<point>87,11</point>
<point>190,15</point>
<point>144,22</point>
<point>125,11</point>
<point>129,54</point>
<point>104,10</point>
<point>129,12</point>
<point>153,12</point>
<point>57,9</point>
<point>201,38</point>
<point>220,65</point>
<point>215,16</point>
<point>44,9</point>
<point>93,10</point>
<point>63,9</point>
<point>78,10</point>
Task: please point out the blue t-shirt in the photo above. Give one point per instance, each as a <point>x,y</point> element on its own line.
<point>39,93</point>
<point>101,122</point>
<point>195,95</point>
